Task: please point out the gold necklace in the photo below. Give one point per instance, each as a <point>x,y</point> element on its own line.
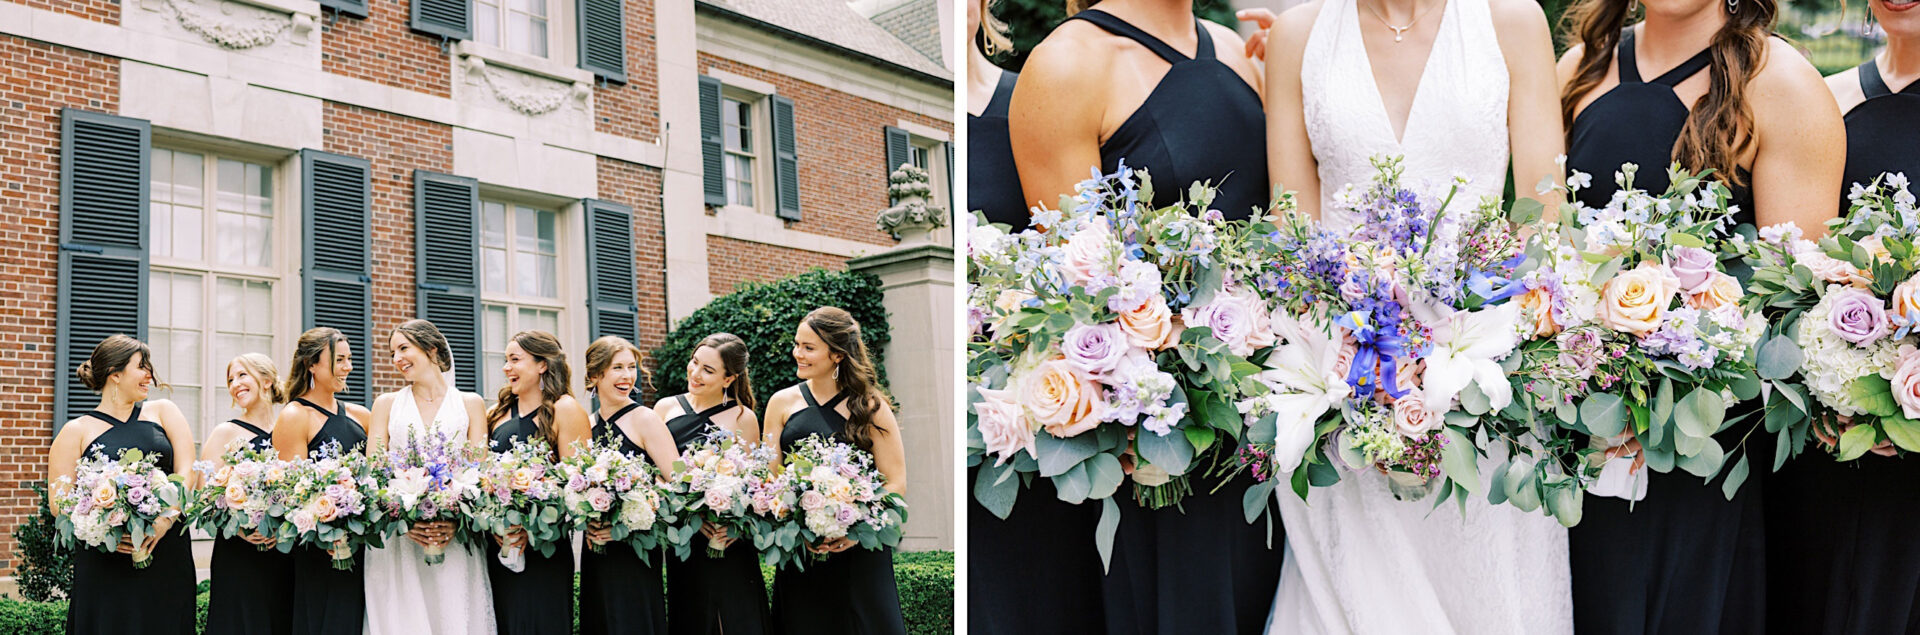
<point>1399,32</point>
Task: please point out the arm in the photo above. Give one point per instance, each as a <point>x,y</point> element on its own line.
<point>777,410</point>
<point>1802,144</point>
<point>1290,162</point>
<point>570,423</point>
<point>889,452</point>
<point>1232,51</point>
<point>1533,99</point>
<point>478,430</point>
<point>746,425</point>
<point>218,442</point>
<point>179,435</point>
<point>377,427</point>
<point>655,438</point>
<point>1055,115</point>
<point>62,459</point>
<point>291,432</point>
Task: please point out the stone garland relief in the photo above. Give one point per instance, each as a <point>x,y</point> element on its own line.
<point>233,25</point>
<point>525,93</point>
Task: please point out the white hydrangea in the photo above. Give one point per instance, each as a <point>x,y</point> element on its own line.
<point>1833,363</point>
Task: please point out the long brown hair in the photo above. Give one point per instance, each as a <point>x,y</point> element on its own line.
<point>600,356</point>
<point>428,338</point>
<point>111,356</point>
<point>733,358</point>
<point>314,346</point>
<point>544,347</point>
<point>1719,129</point>
<point>854,373</point>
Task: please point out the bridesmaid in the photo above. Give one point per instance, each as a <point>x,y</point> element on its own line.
<point>109,595</point>
<point>619,592</point>
<point>1725,96</point>
<point>539,599</point>
<point>993,186</point>
<point>1144,81</point>
<point>252,590</point>
<point>326,601</point>
<point>852,590</point>
<point>1838,557</point>
<point>726,595</point>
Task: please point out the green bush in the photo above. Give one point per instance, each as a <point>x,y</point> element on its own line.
<point>32,618</point>
<point>46,570</point>
<point>765,315</point>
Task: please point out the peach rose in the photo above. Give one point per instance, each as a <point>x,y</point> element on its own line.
<point>1150,326</point>
<point>1002,426</point>
<point>1906,382</point>
<point>1538,303</point>
<point>522,480</point>
<point>1009,300</point>
<point>220,476</point>
<point>1089,253</point>
<point>1906,303</point>
<point>1412,418</point>
<point>1636,301</point>
<point>1721,290</point>
<point>324,509</point>
<point>237,496</point>
<point>1064,401</point>
<point>104,493</point>
<point>1828,268</point>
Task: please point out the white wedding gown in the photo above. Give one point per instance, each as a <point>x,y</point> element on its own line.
<point>1358,560</point>
<point>405,595</point>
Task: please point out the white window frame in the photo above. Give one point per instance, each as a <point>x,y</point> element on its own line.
<point>756,95</point>
<point>567,287</point>
<point>561,36</point>
<point>281,271</point>
<point>936,166</point>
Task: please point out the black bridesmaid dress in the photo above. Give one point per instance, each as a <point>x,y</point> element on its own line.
<point>252,589</point>
<point>539,599</point>
<point>111,597</point>
<point>1224,582</point>
<point>1201,123</point>
<point>993,185</point>
<point>619,592</point>
<point>709,596</point>
<point>1840,558</point>
<point>329,601</point>
<point>1684,559</point>
<point>851,592</point>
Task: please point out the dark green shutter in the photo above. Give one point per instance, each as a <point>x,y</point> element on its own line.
<point>102,279</point>
<point>355,8</point>
<point>446,244</point>
<point>611,305</point>
<point>899,151</point>
<point>452,19</point>
<point>951,186</point>
<point>603,38</point>
<point>786,160</point>
<point>712,151</point>
<point>337,238</point>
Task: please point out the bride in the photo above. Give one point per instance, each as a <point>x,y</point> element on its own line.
<point>1446,84</point>
<point>405,595</point>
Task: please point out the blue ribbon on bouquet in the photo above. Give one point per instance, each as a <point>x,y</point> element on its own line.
<point>1375,358</point>
<point>1492,287</point>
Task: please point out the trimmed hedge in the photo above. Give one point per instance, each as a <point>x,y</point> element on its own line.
<point>925,580</point>
<point>46,570</point>
<point>764,314</point>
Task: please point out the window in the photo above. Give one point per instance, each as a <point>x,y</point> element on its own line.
<point>524,23</point>
<point>211,277</point>
<point>737,130</point>
<point>931,155</point>
<point>520,286</point>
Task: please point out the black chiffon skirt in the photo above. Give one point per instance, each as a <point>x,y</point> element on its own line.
<point>849,593</point>
<point>110,597</point>
<point>1198,567</point>
<point>1035,572</point>
<point>539,599</point>
<point>710,596</point>
<point>1684,560</point>
<point>251,591</point>
<point>620,593</point>
<point>328,601</point>
<point>1841,552</point>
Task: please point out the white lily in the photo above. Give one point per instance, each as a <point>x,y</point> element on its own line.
<point>1302,374</point>
<point>1467,348</point>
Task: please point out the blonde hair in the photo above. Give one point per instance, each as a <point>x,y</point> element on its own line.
<point>261,367</point>
<point>1076,6</point>
<point>993,30</point>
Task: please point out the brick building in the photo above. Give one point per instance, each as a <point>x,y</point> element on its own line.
<point>219,175</point>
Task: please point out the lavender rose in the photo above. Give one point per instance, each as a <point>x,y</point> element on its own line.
<point>1857,316</point>
<point>1693,266</point>
<point>1094,349</point>
<point>1231,320</point>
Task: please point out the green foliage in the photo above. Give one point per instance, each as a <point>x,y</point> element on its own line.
<point>1029,21</point>
<point>46,571</point>
<point>33,618</point>
<point>765,315</point>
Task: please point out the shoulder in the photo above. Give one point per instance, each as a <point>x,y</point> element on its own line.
<point>566,404</point>
<point>1522,18</point>
<point>1845,87</point>
<point>473,400</point>
<point>1225,39</point>
<point>1570,60</point>
<point>1294,25</point>
<point>358,411</point>
<point>641,415</point>
<point>1787,78</point>
<point>784,399</point>
<point>1076,55</point>
<point>666,402</point>
<point>384,402</point>
<point>163,408</point>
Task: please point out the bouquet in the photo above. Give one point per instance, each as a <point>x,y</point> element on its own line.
<point>520,488</point>
<point>1393,340</point>
<point>1637,342</point>
<point>110,499</point>
<point>603,485</point>
<point>842,495</point>
<point>240,498</point>
<point>431,477</point>
<point>1845,310</point>
<point>1111,342</point>
<point>715,479</point>
<point>333,500</point>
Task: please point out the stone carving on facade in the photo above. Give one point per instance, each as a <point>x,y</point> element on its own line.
<point>911,218</point>
<point>233,25</point>
<point>525,93</point>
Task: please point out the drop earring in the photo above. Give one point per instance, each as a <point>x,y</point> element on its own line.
<point>1733,7</point>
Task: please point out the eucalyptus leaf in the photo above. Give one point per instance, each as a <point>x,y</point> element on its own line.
<point>1074,485</point>
<point>1104,531</point>
<point>1459,459</point>
<point>1604,414</point>
<point>1497,489</point>
<point>1779,358</point>
<point>1566,505</point>
<point>1254,503</point>
<point>1058,455</point>
<point>1172,452</point>
<point>1705,462</point>
<point>1700,413</point>
<point>1735,477</point>
<point>1104,475</point>
<point>1263,428</point>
